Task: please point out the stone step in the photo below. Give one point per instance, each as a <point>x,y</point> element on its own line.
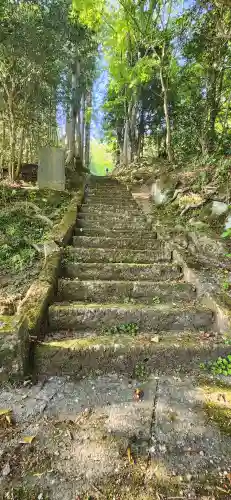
<point>107,195</point>
<point>117,241</point>
<point>113,233</point>
<point>111,223</point>
<point>112,216</point>
<point>110,196</point>
<point>125,205</point>
<point>98,209</point>
<point>118,255</point>
<point>147,292</point>
<point>78,357</point>
<point>113,201</point>
<point>106,190</point>
<point>94,316</point>
<point>115,271</point>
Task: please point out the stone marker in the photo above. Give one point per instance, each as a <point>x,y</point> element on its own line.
<point>51,170</point>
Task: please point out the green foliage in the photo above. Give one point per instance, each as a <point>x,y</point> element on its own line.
<point>226,285</point>
<point>163,48</point>
<point>156,300</point>
<point>227,234</point>
<point>39,43</point>
<point>126,328</point>
<point>222,366</point>
<point>89,12</point>
<point>140,371</point>
<point>21,229</point>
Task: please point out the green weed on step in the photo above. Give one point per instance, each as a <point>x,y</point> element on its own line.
<point>222,366</point>
<point>127,328</point>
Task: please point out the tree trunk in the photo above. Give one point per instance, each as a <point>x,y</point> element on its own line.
<point>74,109</point>
<point>83,128</point>
<point>126,157</point>
<point>12,150</point>
<point>2,158</point>
<point>164,87</point>
<point>88,128</point>
<point>20,153</point>
<point>132,130</point>
<point>26,152</point>
<point>78,134</point>
<point>126,153</point>
<point>140,145</point>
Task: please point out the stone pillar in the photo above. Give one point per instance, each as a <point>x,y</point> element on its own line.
<point>51,169</point>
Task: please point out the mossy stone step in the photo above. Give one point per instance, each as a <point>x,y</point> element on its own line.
<point>97,209</point>
<point>81,316</point>
<point>147,292</point>
<point>113,223</point>
<point>115,271</point>
<point>112,216</point>
<point>112,232</point>
<point>106,191</point>
<point>116,241</point>
<point>160,253</point>
<point>107,195</point>
<point>111,201</point>
<point>126,205</point>
<point>136,356</point>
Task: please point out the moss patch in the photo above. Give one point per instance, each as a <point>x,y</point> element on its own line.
<point>25,493</point>
<point>219,415</point>
<point>7,324</point>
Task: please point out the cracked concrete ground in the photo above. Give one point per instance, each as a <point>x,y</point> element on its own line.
<point>94,440</point>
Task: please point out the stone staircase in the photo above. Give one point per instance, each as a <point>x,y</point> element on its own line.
<point>117,274</point>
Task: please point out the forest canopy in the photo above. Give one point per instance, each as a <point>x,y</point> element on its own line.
<point>169,77</point>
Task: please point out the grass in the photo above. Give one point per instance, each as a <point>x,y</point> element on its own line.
<point>219,415</point>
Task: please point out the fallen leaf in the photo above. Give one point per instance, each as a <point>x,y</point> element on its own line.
<point>6,416</point>
<point>6,470</point>
<point>221,489</point>
<point>6,411</point>
<point>27,439</point>
<point>70,434</point>
<point>155,338</point>
<point>130,457</point>
<point>138,394</point>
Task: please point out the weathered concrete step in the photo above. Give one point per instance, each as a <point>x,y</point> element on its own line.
<point>117,241</point>
<point>147,292</point>
<point>111,223</point>
<point>112,216</point>
<point>175,352</point>
<point>107,195</point>
<point>88,209</point>
<point>121,233</point>
<point>82,316</point>
<point>126,197</point>
<point>113,201</point>
<point>161,253</point>
<point>106,190</point>
<point>127,272</point>
<point>125,205</point>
